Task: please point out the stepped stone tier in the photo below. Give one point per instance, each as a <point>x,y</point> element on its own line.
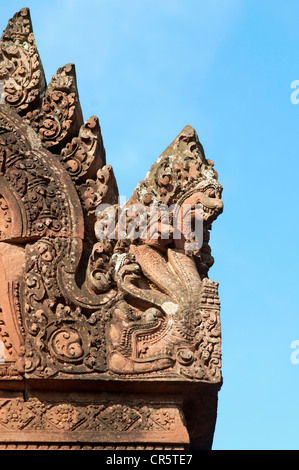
<point>105,342</point>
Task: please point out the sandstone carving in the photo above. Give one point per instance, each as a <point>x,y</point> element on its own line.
<point>92,290</point>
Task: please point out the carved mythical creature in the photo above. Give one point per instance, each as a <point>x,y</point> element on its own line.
<point>115,306</point>
<point>163,322</point>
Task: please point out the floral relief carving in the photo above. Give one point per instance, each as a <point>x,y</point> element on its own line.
<point>14,415</point>
<point>121,417</point>
<point>97,292</point>
<point>64,417</point>
<point>20,66</point>
<point>116,417</point>
<point>85,154</point>
<point>60,116</point>
<point>144,305</point>
<point>120,306</point>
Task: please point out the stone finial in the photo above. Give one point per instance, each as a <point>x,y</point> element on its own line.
<point>21,70</point>
<point>59,119</point>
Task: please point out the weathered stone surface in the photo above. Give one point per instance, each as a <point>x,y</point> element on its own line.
<point>21,70</point>
<point>94,422</point>
<point>132,311</point>
<point>179,331</point>
<point>60,117</point>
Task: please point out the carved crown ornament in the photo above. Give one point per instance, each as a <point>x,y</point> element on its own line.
<point>75,301</point>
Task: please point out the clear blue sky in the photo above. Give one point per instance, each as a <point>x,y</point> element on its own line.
<point>147,68</point>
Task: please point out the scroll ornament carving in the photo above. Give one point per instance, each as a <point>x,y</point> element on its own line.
<point>53,110</point>
<point>21,70</point>
<point>60,338</point>
<point>119,307</point>
<point>85,154</point>
<point>32,182</point>
<point>140,309</point>
<point>60,116</point>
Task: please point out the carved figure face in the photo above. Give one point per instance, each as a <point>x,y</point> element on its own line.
<point>208,196</point>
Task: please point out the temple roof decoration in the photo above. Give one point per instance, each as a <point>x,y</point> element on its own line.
<point>75,305</point>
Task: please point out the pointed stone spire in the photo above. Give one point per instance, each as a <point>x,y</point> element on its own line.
<point>85,154</point>
<point>53,111</point>
<point>182,164</point>
<point>21,72</point>
<point>60,116</point>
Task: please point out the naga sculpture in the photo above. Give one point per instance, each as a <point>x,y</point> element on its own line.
<point>169,317</point>
<point>77,304</point>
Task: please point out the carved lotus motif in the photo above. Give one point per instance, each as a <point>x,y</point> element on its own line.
<point>121,418</point>
<point>14,415</point>
<point>64,417</point>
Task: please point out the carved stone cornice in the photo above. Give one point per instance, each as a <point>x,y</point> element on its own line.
<point>99,423</point>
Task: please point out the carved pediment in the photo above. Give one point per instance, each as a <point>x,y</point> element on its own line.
<point>74,304</point>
